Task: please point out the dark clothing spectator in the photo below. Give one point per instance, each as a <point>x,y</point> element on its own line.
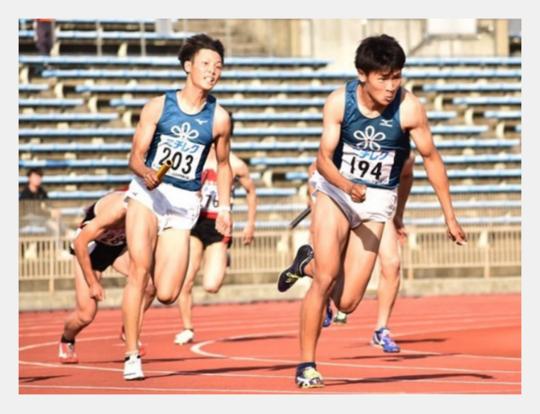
<point>27,194</point>
<point>45,36</point>
<point>34,190</point>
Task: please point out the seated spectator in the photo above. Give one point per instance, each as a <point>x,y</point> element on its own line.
<point>34,190</point>
<point>44,35</point>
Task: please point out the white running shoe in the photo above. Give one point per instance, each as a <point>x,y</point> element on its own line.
<point>133,368</point>
<point>184,337</point>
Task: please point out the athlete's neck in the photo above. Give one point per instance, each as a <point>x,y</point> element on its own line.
<point>192,99</point>
<point>368,106</point>
<point>33,188</point>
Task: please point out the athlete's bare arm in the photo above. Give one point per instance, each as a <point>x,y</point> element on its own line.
<point>241,171</point>
<point>333,111</point>
<point>144,133</point>
<point>222,135</point>
<point>414,118</point>
<point>111,212</point>
<point>403,191</point>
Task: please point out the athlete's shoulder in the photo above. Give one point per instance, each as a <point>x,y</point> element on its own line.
<point>154,107</point>
<point>334,107</point>
<point>412,110</point>
<point>222,120</point>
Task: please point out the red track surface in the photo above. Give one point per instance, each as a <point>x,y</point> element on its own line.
<point>457,345</point>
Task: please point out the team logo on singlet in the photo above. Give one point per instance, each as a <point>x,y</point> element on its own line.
<point>368,139</point>
<point>185,132</point>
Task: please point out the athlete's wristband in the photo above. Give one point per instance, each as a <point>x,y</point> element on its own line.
<point>224,208</point>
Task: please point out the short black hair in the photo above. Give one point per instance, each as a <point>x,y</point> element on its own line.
<point>35,170</point>
<point>198,42</point>
<point>379,54</point>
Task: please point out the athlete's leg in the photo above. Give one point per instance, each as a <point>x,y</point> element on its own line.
<point>359,262</point>
<point>185,301</point>
<point>214,267</point>
<point>86,307</point>
<point>389,281</point>
<point>141,232</point>
<point>330,231</point>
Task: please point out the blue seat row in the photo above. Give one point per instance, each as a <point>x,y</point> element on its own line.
<point>511,173</point>
<point>110,21</point>
<point>265,74</point>
<point>518,128</point>
<point>448,159</point>
<point>165,61</point>
<point>32,87</point>
<point>487,100</point>
<point>472,87</point>
<point>50,102</point>
<point>81,179</point>
<point>312,102</point>
<point>259,146</point>
<point>89,117</point>
<point>238,132</point>
<point>503,114</point>
<point>159,61</point>
<point>88,195</point>
<point>76,34</point>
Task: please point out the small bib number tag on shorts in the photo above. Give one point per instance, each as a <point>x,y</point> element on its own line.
<point>185,157</point>
<point>365,165</point>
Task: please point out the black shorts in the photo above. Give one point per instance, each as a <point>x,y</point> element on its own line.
<point>102,256</point>
<point>205,231</point>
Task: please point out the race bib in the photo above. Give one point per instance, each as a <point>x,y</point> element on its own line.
<point>184,155</point>
<point>113,237</point>
<point>209,200</point>
<point>365,165</point>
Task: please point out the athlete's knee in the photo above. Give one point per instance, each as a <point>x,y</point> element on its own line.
<point>86,317</point>
<point>391,268</point>
<point>167,297</point>
<point>348,306</point>
<point>151,290</point>
<point>211,286</point>
<point>138,274</point>
<point>324,283</point>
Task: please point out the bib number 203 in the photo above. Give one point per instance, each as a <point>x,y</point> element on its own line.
<point>178,159</point>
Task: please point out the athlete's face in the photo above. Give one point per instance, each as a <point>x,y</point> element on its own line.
<point>205,69</point>
<point>382,86</point>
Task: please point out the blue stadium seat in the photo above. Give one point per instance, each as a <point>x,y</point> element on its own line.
<point>448,159</point>
<point>313,102</point>
<point>75,117</point>
<point>238,132</point>
<point>301,175</point>
<point>503,114</point>
<point>32,87</point>
<point>317,102</point>
<point>81,179</point>
<point>285,75</point>
<point>463,61</point>
<point>270,89</point>
<point>160,61</point>
<point>104,21</point>
<point>88,195</point>
<point>50,102</point>
<point>261,146</point>
<point>118,35</point>
<point>472,87</point>
<point>486,100</point>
